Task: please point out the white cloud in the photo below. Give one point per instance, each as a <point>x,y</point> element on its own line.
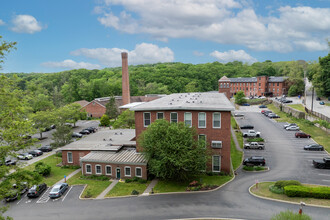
<point>233,55</point>
<point>70,64</point>
<point>143,53</point>
<point>2,22</point>
<point>198,54</point>
<point>222,21</point>
<point>26,24</point>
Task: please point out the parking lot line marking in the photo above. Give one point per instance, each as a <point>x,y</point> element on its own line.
<point>44,198</point>
<point>20,199</point>
<point>323,174</point>
<point>326,180</point>
<point>66,194</point>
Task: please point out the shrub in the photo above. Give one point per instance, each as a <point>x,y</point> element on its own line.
<point>59,154</point>
<point>276,190</point>
<point>257,168</point>
<point>42,168</point>
<point>320,192</point>
<point>70,167</point>
<point>255,140</point>
<point>95,177</point>
<point>135,192</point>
<point>136,179</point>
<point>282,183</point>
<point>88,194</point>
<point>290,215</point>
<point>105,121</point>
<point>128,180</point>
<point>248,168</point>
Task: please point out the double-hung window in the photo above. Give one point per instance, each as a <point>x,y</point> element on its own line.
<point>202,120</point>
<point>70,159</point>
<point>160,115</point>
<point>174,117</point>
<point>98,169</point>
<point>127,171</point>
<point>216,163</point>
<point>108,170</point>
<point>216,120</point>
<point>146,119</point>
<point>88,168</point>
<point>188,118</point>
<point>138,171</point>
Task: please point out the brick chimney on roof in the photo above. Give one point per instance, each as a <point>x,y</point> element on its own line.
<point>125,79</point>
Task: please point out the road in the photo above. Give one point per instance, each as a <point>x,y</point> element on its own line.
<point>283,155</point>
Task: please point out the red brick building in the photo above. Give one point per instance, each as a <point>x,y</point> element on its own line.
<point>256,86</point>
<point>209,113</point>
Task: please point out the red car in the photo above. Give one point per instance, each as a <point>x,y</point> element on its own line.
<point>302,135</point>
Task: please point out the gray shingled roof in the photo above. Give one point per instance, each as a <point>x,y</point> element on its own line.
<point>243,79</point>
<point>189,101</point>
<point>125,156</point>
<point>277,78</point>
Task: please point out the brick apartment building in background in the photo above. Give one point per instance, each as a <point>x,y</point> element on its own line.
<point>256,86</point>
<point>208,112</point>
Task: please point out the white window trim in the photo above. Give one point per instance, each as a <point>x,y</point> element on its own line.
<point>130,171</point>
<point>177,117</point>
<point>199,120</point>
<point>96,169</point>
<point>144,122</point>
<point>67,157</point>
<point>106,173</point>
<point>190,118</point>
<point>213,119</point>
<point>136,172</point>
<point>216,171</point>
<point>216,142</point>
<point>86,168</point>
<point>162,113</point>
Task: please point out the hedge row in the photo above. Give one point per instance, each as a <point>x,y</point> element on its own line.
<point>282,183</point>
<point>320,192</point>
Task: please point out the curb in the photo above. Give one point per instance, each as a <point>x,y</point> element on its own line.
<point>255,171</point>
<point>283,201</point>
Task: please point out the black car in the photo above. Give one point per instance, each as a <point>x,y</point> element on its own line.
<point>247,127</point>
<point>286,101</point>
<point>91,129</point>
<point>254,161</point>
<point>262,106</point>
<point>36,190</point>
<point>36,153</point>
<point>267,112</point>
<point>46,148</point>
<point>84,132</point>
<point>58,190</point>
<point>314,147</point>
<point>76,135</point>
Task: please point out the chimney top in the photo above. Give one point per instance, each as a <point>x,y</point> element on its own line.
<point>124,54</point>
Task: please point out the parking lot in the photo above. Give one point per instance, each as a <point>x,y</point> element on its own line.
<point>284,152</point>
<point>70,196</point>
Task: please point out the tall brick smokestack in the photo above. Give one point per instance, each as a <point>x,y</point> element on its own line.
<point>125,79</point>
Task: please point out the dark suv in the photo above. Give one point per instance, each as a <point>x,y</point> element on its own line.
<point>302,135</point>
<point>36,190</point>
<point>254,161</point>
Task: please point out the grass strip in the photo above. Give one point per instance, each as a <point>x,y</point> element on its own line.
<point>319,135</point>
<point>236,155</point>
<point>94,187</point>
<point>56,174</point>
<point>298,107</point>
<point>125,189</point>
<point>263,190</point>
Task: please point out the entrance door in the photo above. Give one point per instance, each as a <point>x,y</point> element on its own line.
<point>118,173</point>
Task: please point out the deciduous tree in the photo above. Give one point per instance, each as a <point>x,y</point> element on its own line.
<point>240,98</point>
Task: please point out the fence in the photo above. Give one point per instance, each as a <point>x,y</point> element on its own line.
<point>319,115</point>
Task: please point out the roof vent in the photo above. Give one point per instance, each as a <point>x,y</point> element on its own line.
<point>200,102</point>
<point>170,103</point>
<point>193,101</point>
<point>187,102</point>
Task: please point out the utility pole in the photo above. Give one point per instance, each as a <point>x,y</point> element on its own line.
<point>312,99</point>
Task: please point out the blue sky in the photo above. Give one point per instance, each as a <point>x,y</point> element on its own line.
<point>57,35</point>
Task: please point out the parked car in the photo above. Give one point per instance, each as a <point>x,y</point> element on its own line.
<point>314,147</point>
<point>288,125</point>
<point>46,148</point>
<point>254,161</point>
<point>321,103</point>
<point>36,190</point>
<point>286,101</point>
<point>251,133</point>
<point>302,135</point>
<point>9,162</point>
<point>323,163</point>
<point>24,156</point>
<point>272,115</point>
<point>238,115</point>
<point>84,132</point>
<point>91,129</point>
<point>292,128</point>
<point>247,127</point>
<point>267,113</point>
<point>262,106</point>
<point>58,190</point>
<point>16,191</point>
<point>246,104</point>
<point>254,145</point>
<point>76,135</point>
<point>318,99</point>
<point>36,153</point>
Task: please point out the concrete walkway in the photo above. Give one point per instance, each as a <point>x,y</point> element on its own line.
<point>69,176</point>
<point>105,192</point>
<point>235,139</point>
<point>150,187</point>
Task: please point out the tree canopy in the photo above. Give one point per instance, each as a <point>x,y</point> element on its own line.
<point>172,150</point>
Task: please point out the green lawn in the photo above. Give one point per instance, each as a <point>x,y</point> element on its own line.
<point>263,190</point>
<point>298,107</point>
<point>233,122</point>
<point>125,189</point>
<point>164,186</point>
<point>317,134</point>
<point>327,104</point>
<point>236,156</point>
<point>94,187</point>
<point>57,173</point>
